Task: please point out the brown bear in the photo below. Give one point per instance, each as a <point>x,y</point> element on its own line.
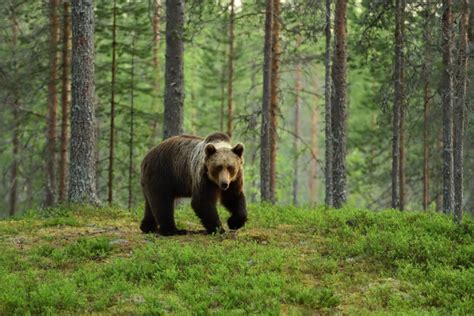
<point>207,170</point>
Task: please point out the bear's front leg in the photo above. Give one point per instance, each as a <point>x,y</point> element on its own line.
<point>204,205</point>
<point>233,200</point>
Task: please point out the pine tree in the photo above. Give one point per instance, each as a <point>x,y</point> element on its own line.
<point>82,181</point>
<point>460,113</point>
<point>329,187</point>
<point>265,144</point>
<point>174,77</point>
<point>65,100</point>
<point>339,106</point>
<point>50,197</point>
<point>447,91</point>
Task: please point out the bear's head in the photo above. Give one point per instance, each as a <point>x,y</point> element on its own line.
<point>223,163</point>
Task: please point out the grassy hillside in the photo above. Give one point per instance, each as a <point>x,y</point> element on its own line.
<point>286,261</point>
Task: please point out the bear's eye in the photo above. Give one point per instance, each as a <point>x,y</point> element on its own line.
<point>219,168</point>
<point>231,169</point>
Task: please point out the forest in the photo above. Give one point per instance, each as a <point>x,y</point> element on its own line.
<point>386,101</point>
<point>356,117</point>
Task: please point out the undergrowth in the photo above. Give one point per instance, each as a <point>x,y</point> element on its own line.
<point>287,260</point>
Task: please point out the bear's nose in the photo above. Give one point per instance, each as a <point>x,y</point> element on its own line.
<point>224,186</point>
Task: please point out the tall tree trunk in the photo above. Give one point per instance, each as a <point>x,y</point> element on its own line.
<point>274,99</point>
<point>447,91</point>
<point>65,99</point>
<point>112,104</point>
<point>222,112</point>
<point>50,197</point>
<point>402,180</point>
<point>397,104</point>
<point>230,92</point>
<point>13,198</point>
<point>14,168</point>
<point>327,107</point>
<point>297,132</point>
<point>265,143</point>
<point>82,182</point>
<point>426,103</point>
<point>174,77</point>
<point>314,154</point>
<point>339,105</point>
<point>439,194</point>
<point>460,112</point>
<point>132,114</point>
<point>156,63</point>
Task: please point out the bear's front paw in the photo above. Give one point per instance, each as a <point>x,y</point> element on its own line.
<point>236,222</point>
<point>148,228</point>
<point>216,230</point>
<point>172,232</point>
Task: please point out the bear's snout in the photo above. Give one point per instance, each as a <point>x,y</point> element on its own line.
<point>224,186</point>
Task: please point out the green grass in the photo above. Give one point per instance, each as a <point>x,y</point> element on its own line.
<point>287,260</point>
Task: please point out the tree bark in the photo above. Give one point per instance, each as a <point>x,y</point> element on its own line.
<point>82,183</point>
<point>132,114</point>
<point>397,106</point>
<point>230,92</point>
<point>156,64</point>
<point>297,133</point>
<point>112,104</point>
<point>274,99</point>
<point>327,106</point>
<point>65,99</point>
<point>314,155</point>
<point>426,103</point>
<point>265,144</point>
<point>447,92</point>
<point>174,77</point>
<point>460,112</point>
<point>50,197</point>
<point>14,168</point>
<point>13,196</point>
<point>402,180</point>
<point>339,105</point>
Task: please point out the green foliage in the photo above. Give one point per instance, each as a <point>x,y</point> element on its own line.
<point>287,260</point>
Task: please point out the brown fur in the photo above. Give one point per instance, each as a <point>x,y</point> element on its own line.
<point>188,166</point>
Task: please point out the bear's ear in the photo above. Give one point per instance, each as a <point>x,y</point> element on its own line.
<point>238,149</point>
<point>210,150</point>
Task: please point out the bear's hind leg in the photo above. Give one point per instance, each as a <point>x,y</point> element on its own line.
<point>148,224</point>
<point>163,211</point>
